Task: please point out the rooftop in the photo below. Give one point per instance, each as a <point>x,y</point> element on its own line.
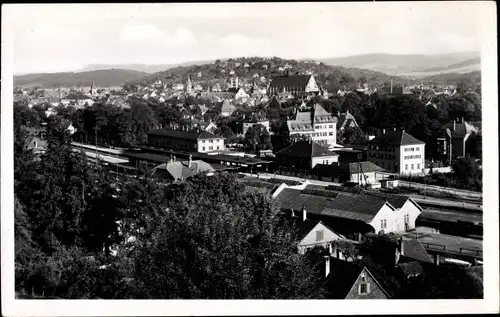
<point>399,137</point>
<point>306,149</point>
<point>187,135</point>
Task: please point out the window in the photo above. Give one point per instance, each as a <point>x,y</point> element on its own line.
<point>363,289</point>
<point>418,166</point>
<point>217,147</point>
<point>211,141</point>
<point>203,141</point>
<point>210,148</point>
<point>406,167</point>
<point>319,235</point>
<point>383,223</point>
<point>412,167</point>
<point>325,162</point>
<point>203,148</point>
<point>418,149</point>
<point>407,218</point>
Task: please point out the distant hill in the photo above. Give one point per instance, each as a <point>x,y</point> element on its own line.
<point>101,78</point>
<point>330,77</point>
<point>154,68</point>
<point>409,65</point>
<point>454,78</point>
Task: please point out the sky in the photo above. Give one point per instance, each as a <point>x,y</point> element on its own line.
<point>56,37</point>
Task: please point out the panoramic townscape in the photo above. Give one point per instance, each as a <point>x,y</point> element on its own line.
<point>251,177</point>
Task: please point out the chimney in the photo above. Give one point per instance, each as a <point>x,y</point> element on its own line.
<point>304,214</point>
<point>327,265</point>
<point>330,251</point>
<point>383,131</point>
<point>391,85</point>
<point>190,160</point>
<point>292,213</point>
<point>462,120</point>
<point>394,128</point>
<point>36,145</point>
<point>454,125</point>
<point>174,158</point>
<point>401,246</point>
<point>171,158</point>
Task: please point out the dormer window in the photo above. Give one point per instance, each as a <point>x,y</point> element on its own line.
<point>364,286</point>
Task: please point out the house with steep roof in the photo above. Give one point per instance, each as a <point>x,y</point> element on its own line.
<point>348,214</point>
<point>346,280</point>
<point>298,85</point>
<point>174,171</point>
<point>207,126</point>
<point>398,152</point>
<point>314,233</point>
<point>190,141</point>
<point>227,108</point>
<point>305,155</point>
<point>256,119</point>
<point>317,124</point>
<point>345,120</point>
<point>457,135</point>
<point>362,173</point>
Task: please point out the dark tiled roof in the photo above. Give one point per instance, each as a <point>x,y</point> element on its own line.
<point>289,182</point>
<point>399,137</point>
<point>461,129</point>
<point>359,208</point>
<point>411,268</point>
<point>304,227</point>
<point>346,169</point>
<point>232,90</point>
<point>185,134</point>
<point>413,249</point>
<point>299,81</point>
<point>366,167</point>
<point>306,150</point>
<point>342,277</point>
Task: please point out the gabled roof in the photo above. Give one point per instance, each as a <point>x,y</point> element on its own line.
<point>347,169</point>
<point>185,134</point>
<point>365,167</point>
<point>180,170</point>
<point>343,275</point>
<point>461,129</point>
<point>413,249</point>
<point>345,118</point>
<point>359,208</point>
<point>399,137</point>
<point>411,268</point>
<point>306,150</point>
<point>227,106</point>
<point>299,81</point>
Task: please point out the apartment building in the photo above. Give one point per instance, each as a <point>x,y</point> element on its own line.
<point>398,152</point>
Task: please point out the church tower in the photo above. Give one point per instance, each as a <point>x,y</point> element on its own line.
<point>189,85</point>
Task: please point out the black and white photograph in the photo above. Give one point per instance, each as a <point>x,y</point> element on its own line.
<point>327,152</point>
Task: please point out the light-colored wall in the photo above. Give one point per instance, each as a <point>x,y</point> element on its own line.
<point>395,218</point>
<point>309,241</point>
<point>364,178</point>
<point>311,85</point>
<point>418,162</point>
<point>204,145</point>
<point>375,292</point>
<point>330,128</point>
<point>323,160</point>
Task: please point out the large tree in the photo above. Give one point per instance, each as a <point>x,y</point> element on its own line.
<point>216,241</point>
